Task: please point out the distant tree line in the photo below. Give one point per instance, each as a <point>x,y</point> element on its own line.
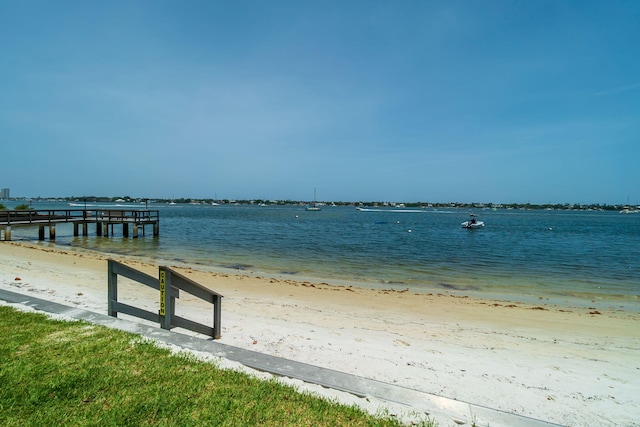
<point>413,205</point>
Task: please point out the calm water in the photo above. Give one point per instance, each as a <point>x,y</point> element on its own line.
<point>523,255</point>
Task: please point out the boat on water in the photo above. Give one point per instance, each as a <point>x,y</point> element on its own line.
<point>314,206</point>
<point>472,223</point>
<point>628,210</point>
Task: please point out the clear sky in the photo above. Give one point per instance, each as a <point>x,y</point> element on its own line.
<point>470,101</point>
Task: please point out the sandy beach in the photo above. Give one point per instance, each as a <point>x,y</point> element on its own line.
<point>575,366</point>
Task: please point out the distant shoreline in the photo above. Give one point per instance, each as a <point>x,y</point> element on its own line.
<point>80,201</point>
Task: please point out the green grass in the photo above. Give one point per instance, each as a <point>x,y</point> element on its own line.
<point>75,373</point>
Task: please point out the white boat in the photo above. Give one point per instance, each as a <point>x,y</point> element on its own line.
<point>628,210</point>
<point>472,223</point>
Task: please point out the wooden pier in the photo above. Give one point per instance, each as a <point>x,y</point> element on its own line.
<point>104,220</point>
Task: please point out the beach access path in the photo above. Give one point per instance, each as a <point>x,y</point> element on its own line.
<point>561,364</point>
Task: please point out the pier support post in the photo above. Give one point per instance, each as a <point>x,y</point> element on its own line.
<point>41,232</point>
<point>75,229</point>
<point>85,229</point>
<point>98,228</point>
<point>156,229</point>
<point>7,233</point>
<point>105,229</point>
<point>125,229</point>
<point>135,230</point>
<point>52,232</point>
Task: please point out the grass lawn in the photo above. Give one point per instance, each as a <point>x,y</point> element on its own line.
<point>79,374</point>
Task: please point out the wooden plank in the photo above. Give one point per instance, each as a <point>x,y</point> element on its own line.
<point>188,285</point>
<point>133,274</point>
<point>181,322</point>
<point>123,308</point>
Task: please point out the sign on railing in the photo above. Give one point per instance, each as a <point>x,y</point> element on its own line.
<point>169,284</point>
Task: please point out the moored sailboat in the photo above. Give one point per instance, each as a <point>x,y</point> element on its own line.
<point>314,206</point>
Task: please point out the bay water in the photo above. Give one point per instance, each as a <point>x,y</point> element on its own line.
<point>520,255</point>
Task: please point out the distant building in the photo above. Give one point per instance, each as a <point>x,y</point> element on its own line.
<point>5,194</point>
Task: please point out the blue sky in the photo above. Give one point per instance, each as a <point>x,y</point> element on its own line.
<point>469,101</point>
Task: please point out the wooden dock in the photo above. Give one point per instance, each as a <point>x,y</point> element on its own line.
<point>104,220</point>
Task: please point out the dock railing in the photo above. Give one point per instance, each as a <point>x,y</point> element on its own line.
<point>32,216</point>
<point>169,283</point>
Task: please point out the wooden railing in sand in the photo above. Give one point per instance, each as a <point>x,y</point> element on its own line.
<point>169,283</point>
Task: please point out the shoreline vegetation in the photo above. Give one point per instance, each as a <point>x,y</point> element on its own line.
<point>559,363</point>
<point>413,205</point>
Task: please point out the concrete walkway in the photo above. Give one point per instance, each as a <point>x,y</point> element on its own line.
<point>460,413</point>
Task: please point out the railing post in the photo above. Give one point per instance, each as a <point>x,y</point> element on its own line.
<point>112,289</point>
<point>166,309</point>
<point>217,316</point>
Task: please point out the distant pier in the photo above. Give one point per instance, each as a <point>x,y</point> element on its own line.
<point>104,220</point>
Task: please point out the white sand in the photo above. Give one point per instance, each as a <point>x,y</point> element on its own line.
<point>571,366</point>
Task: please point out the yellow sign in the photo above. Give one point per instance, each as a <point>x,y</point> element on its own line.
<point>163,285</point>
